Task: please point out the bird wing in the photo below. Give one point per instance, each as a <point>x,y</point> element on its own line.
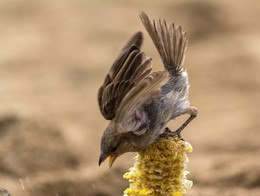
<point>130,67</point>
<point>149,87</point>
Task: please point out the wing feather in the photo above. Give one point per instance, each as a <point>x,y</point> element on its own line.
<point>147,88</point>
<point>130,67</point>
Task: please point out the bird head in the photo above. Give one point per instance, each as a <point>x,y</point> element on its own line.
<point>110,145</point>
<point>122,137</point>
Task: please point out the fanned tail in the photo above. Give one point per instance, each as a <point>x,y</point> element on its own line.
<point>170,41</point>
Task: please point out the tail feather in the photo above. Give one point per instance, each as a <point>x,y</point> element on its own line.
<point>170,41</point>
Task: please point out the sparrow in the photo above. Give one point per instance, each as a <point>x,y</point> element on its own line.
<point>138,102</point>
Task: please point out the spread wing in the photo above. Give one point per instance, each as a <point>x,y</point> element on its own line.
<point>149,87</point>
<point>130,67</point>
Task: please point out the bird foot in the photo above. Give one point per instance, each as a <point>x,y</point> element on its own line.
<point>169,133</point>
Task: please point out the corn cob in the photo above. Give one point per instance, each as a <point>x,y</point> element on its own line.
<point>159,170</point>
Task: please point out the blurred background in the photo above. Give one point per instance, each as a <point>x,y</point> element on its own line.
<point>54,56</point>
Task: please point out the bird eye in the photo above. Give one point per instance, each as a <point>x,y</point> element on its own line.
<point>114,149</point>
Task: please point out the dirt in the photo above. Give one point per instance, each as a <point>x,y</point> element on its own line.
<point>54,57</point>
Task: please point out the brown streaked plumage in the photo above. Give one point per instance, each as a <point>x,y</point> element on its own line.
<point>138,103</point>
<point>130,67</point>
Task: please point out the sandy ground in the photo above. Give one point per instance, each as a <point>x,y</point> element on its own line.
<point>54,55</point>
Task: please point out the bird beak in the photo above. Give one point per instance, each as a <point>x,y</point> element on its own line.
<point>112,159</point>
<point>102,158</point>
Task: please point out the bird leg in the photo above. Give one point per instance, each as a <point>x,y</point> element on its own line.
<point>192,111</point>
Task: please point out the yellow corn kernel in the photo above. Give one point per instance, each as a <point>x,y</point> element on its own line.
<point>159,170</point>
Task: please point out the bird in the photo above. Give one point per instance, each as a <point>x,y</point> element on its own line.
<point>139,103</point>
